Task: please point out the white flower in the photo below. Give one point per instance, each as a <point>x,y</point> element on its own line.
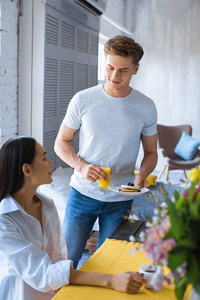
<point>155,220</point>
<point>156,211</point>
<point>131,238</point>
<point>148,224</point>
<point>132,251</point>
<point>142,236</point>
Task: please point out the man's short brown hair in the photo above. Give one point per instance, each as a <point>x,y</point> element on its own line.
<point>124,46</point>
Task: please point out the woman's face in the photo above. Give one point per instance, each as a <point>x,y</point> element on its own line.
<point>41,167</point>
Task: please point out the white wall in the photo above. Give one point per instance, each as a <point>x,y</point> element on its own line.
<point>8,69</point>
<point>170,69</point>
<point>115,19</point>
<point>169,72</point>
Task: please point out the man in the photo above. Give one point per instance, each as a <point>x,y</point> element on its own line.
<point>112,118</point>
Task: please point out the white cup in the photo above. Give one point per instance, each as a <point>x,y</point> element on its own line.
<point>149,270</point>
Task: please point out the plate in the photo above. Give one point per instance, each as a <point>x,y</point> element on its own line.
<point>116,190</point>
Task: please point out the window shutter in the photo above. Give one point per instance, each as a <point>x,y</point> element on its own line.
<point>66,85</point>
<point>50,96</point>
<point>71,59</point>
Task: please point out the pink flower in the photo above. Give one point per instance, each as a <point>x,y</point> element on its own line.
<point>169,244</point>
<point>155,246</point>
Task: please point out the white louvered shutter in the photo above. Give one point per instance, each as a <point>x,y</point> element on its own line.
<point>71,59</point>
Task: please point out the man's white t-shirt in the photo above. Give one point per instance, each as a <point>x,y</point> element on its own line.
<point>110,130</point>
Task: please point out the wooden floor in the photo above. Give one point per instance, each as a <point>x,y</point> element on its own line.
<point>91,245</point>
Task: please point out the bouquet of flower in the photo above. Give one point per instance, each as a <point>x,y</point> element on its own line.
<point>173,239</point>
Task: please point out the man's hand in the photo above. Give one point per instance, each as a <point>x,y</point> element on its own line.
<point>149,161</point>
<point>93,172</point>
<point>140,181</point>
<point>128,282</point>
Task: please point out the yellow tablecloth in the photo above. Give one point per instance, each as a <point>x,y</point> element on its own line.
<point>114,257</point>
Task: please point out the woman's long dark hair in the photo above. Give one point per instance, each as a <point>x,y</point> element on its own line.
<point>13,154</point>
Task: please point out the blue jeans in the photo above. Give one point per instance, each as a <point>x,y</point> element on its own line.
<point>80,216</point>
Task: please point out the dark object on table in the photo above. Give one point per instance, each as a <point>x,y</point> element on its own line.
<point>127,228</point>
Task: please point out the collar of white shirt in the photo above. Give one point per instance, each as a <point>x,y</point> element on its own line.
<point>9,204</point>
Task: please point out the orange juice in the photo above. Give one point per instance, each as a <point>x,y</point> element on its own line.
<point>102,183</point>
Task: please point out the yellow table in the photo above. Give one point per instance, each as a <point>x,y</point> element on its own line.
<point>114,257</point>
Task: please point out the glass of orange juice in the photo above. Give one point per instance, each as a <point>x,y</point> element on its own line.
<point>104,185</point>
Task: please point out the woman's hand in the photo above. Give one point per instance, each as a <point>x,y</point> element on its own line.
<point>128,282</point>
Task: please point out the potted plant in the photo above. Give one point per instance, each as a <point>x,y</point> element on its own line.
<point>173,239</point>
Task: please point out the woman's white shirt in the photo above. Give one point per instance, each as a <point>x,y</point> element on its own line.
<point>33,260</point>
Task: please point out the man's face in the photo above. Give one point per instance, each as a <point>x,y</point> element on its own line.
<point>119,71</point>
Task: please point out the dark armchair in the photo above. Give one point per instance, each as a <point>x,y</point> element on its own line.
<point>168,137</point>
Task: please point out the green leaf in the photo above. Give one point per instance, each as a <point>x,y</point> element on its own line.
<point>180,287</point>
<point>198,197</point>
<point>176,195</point>
<point>193,268</point>
<point>183,204</point>
<point>194,226</point>
<point>168,235</point>
<point>196,286</point>
<point>178,250</point>
<point>192,192</point>
<point>187,243</point>
<point>176,257</point>
<point>177,224</point>
<point>195,209</point>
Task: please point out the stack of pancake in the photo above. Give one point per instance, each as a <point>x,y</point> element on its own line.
<point>129,188</point>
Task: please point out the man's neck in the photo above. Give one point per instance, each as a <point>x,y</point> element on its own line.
<point>117,93</point>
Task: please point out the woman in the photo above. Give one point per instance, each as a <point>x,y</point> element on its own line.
<point>33,253</point>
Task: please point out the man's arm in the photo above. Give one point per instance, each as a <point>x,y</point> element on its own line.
<point>65,151</point>
<point>149,161</point>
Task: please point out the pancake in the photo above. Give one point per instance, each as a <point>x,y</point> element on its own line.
<point>128,188</point>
